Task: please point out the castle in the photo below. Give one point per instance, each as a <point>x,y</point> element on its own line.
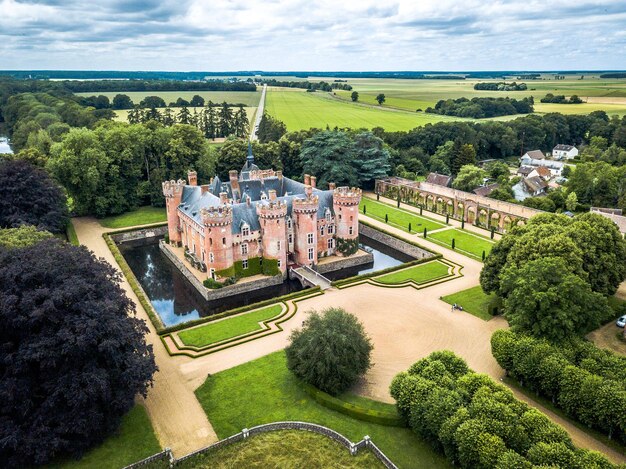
<point>260,216</point>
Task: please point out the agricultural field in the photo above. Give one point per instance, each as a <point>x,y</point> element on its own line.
<point>122,114</point>
<point>248,98</point>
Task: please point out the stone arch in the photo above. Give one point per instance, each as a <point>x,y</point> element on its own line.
<point>507,223</point>
<point>460,210</point>
<point>495,220</point>
<point>471,215</point>
<point>482,217</point>
<point>450,208</point>
<point>430,202</point>
<point>439,205</point>
<point>422,199</point>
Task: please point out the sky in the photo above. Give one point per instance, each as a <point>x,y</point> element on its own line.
<point>332,35</point>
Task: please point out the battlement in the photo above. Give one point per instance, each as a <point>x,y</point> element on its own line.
<point>347,195</point>
<point>263,174</point>
<point>217,216</point>
<point>309,204</point>
<point>173,188</point>
<point>274,209</point>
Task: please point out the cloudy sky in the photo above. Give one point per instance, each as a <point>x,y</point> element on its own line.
<point>217,35</point>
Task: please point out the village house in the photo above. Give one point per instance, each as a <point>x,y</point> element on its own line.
<point>564,152</point>
<point>541,171</point>
<point>439,179</point>
<point>529,187</point>
<point>260,215</point>
<point>536,158</point>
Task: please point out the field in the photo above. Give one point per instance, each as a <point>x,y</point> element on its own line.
<point>398,217</point>
<point>264,391</point>
<point>470,244</point>
<point>473,300</point>
<point>228,328</point>
<point>122,115</point>
<point>140,216</point>
<point>248,98</point>
<point>287,449</point>
<point>420,273</point>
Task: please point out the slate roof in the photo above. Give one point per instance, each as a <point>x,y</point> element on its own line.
<point>535,184</point>
<point>439,179</point>
<point>486,190</point>
<point>525,170</point>
<point>561,147</point>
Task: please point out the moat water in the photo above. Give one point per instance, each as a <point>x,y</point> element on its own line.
<point>176,300</point>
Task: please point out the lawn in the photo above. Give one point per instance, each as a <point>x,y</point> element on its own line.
<point>301,110</point>
<point>398,217</point>
<point>473,300</point>
<point>140,216</point>
<point>228,328</point>
<point>467,243</point>
<point>134,441</point>
<point>247,98</point>
<point>421,273</point>
<point>264,391</point>
<point>291,449</point>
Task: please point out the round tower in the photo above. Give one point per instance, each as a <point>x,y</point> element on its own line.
<point>173,192</point>
<point>218,238</point>
<point>272,215</point>
<point>305,232</point>
<point>346,206</point>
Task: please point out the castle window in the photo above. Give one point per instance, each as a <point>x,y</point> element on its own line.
<point>245,230</point>
<point>309,238</point>
<point>244,249</point>
<point>289,222</point>
<point>278,245</point>
<point>210,241</point>
<point>203,255</point>
<point>244,263</point>
<point>328,215</point>
<point>331,243</point>
<point>224,242</point>
<point>279,263</point>
<point>311,254</point>
<point>330,229</point>
<point>211,257</point>
<point>290,238</point>
<point>322,230</point>
<point>350,230</point>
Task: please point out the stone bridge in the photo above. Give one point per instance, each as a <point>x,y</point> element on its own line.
<point>474,209</point>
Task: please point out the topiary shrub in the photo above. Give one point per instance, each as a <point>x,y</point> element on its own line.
<point>212,284</point>
<point>330,352</point>
<point>347,247</point>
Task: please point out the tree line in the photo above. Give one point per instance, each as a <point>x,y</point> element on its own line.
<point>123,101</point>
<point>88,86</point>
<point>479,108</point>
<point>307,85</point>
<point>500,86</point>
<point>561,99</point>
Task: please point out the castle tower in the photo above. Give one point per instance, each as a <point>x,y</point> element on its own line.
<point>218,237</point>
<point>346,206</point>
<point>274,229</point>
<point>173,192</point>
<point>305,217</point>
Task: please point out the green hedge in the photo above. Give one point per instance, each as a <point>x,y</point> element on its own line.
<point>360,413</point>
<point>254,268</point>
<point>270,267</point>
<point>72,238</point>
<point>588,383</point>
<point>212,284</point>
<point>226,273</point>
<point>347,247</point>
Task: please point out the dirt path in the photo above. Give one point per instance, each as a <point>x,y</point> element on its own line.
<point>177,417</point>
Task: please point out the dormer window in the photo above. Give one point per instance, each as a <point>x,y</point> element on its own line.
<point>328,215</point>
<point>245,230</point>
<point>263,196</point>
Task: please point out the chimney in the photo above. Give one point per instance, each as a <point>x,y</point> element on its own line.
<point>308,190</point>
<point>279,174</point>
<point>204,188</point>
<point>192,176</point>
<point>272,193</point>
<point>223,197</point>
<point>313,181</point>
<point>332,186</point>
<point>307,180</point>
<point>232,174</point>
<point>248,200</point>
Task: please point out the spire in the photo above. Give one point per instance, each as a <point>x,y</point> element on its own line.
<point>250,158</point>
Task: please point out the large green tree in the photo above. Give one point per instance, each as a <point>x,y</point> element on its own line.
<point>469,178</point>
<point>329,156</point>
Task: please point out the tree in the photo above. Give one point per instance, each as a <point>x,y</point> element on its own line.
<point>74,356</point>
<point>232,155</point>
<point>354,96</point>
<point>270,129</point>
<point>469,178</point>
<point>122,101</point>
<point>152,102</point>
<point>464,154</point>
<point>25,235</point>
<point>545,298</point>
<point>571,203</point>
<point>329,155</point>
<point>31,197</point>
<point>197,101</point>
<point>380,98</point>
<point>371,159</point>
<point>330,352</point>
<point>498,170</point>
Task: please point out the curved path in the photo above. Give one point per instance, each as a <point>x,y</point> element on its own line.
<point>405,325</point>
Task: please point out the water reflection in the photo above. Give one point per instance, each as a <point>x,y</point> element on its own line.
<point>4,145</point>
<point>176,300</point>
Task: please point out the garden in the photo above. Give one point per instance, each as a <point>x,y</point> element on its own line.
<point>399,218</point>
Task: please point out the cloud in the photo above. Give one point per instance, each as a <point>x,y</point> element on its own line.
<point>312,35</point>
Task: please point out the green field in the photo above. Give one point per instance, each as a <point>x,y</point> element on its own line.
<point>466,243</point>
<point>248,98</point>
<point>135,440</point>
<point>398,217</point>
<point>421,273</point>
<point>301,110</point>
<point>140,216</point>
<point>473,300</point>
<point>286,449</point>
<point>264,391</point>
<point>228,328</point>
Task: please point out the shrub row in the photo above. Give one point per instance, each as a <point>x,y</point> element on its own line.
<point>360,413</point>
<point>586,382</point>
<point>478,423</point>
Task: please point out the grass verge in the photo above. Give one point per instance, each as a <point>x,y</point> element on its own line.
<point>70,231</point>
<point>264,391</point>
<point>469,244</point>
<point>228,328</point>
<point>419,274</point>
<point>473,300</point>
<point>397,217</point>
<point>140,216</point>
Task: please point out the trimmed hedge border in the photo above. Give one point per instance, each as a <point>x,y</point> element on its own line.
<point>387,419</point>
<point>70,232</point>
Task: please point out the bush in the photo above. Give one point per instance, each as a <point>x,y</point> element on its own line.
<point>330,352</point>
<point>347,247</point>
<point>270,267</point>
<point>212,284</point>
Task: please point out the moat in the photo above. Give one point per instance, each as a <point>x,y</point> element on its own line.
<point>177,301</point>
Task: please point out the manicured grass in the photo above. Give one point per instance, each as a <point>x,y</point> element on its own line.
<point>466,243</point>
<point>72,238</point>
<point>420,273</point>
<point>264,391</point>
<point>398,217</point>
<point>473,300</point>
<point>141,216</point>
<point>134,441</point>
<point>301,110</point>
<point>286,449</point>
<point>228,328</point>
<point>367,403</point>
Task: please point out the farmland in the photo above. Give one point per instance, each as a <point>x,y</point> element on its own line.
<point>248,98</point>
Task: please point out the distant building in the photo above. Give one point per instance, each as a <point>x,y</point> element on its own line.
<point>530,156</point>
<point>614,214</point>
<point>536,158</point>
<point>564,152</point>
<point>439,179</point>
<point>529,187</point>
<point>541,171</point>
<point>486,190</point>
<point>524,171</point>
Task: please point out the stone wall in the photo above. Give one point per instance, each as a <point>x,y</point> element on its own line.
<point>395,243</point>
<point>345,263</point>
<point>153,232</point>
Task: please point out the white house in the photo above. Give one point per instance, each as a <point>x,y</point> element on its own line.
<point>529,187</point>
<point>541,171</point>
<point>564,152</point>
<point>536,158</point>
